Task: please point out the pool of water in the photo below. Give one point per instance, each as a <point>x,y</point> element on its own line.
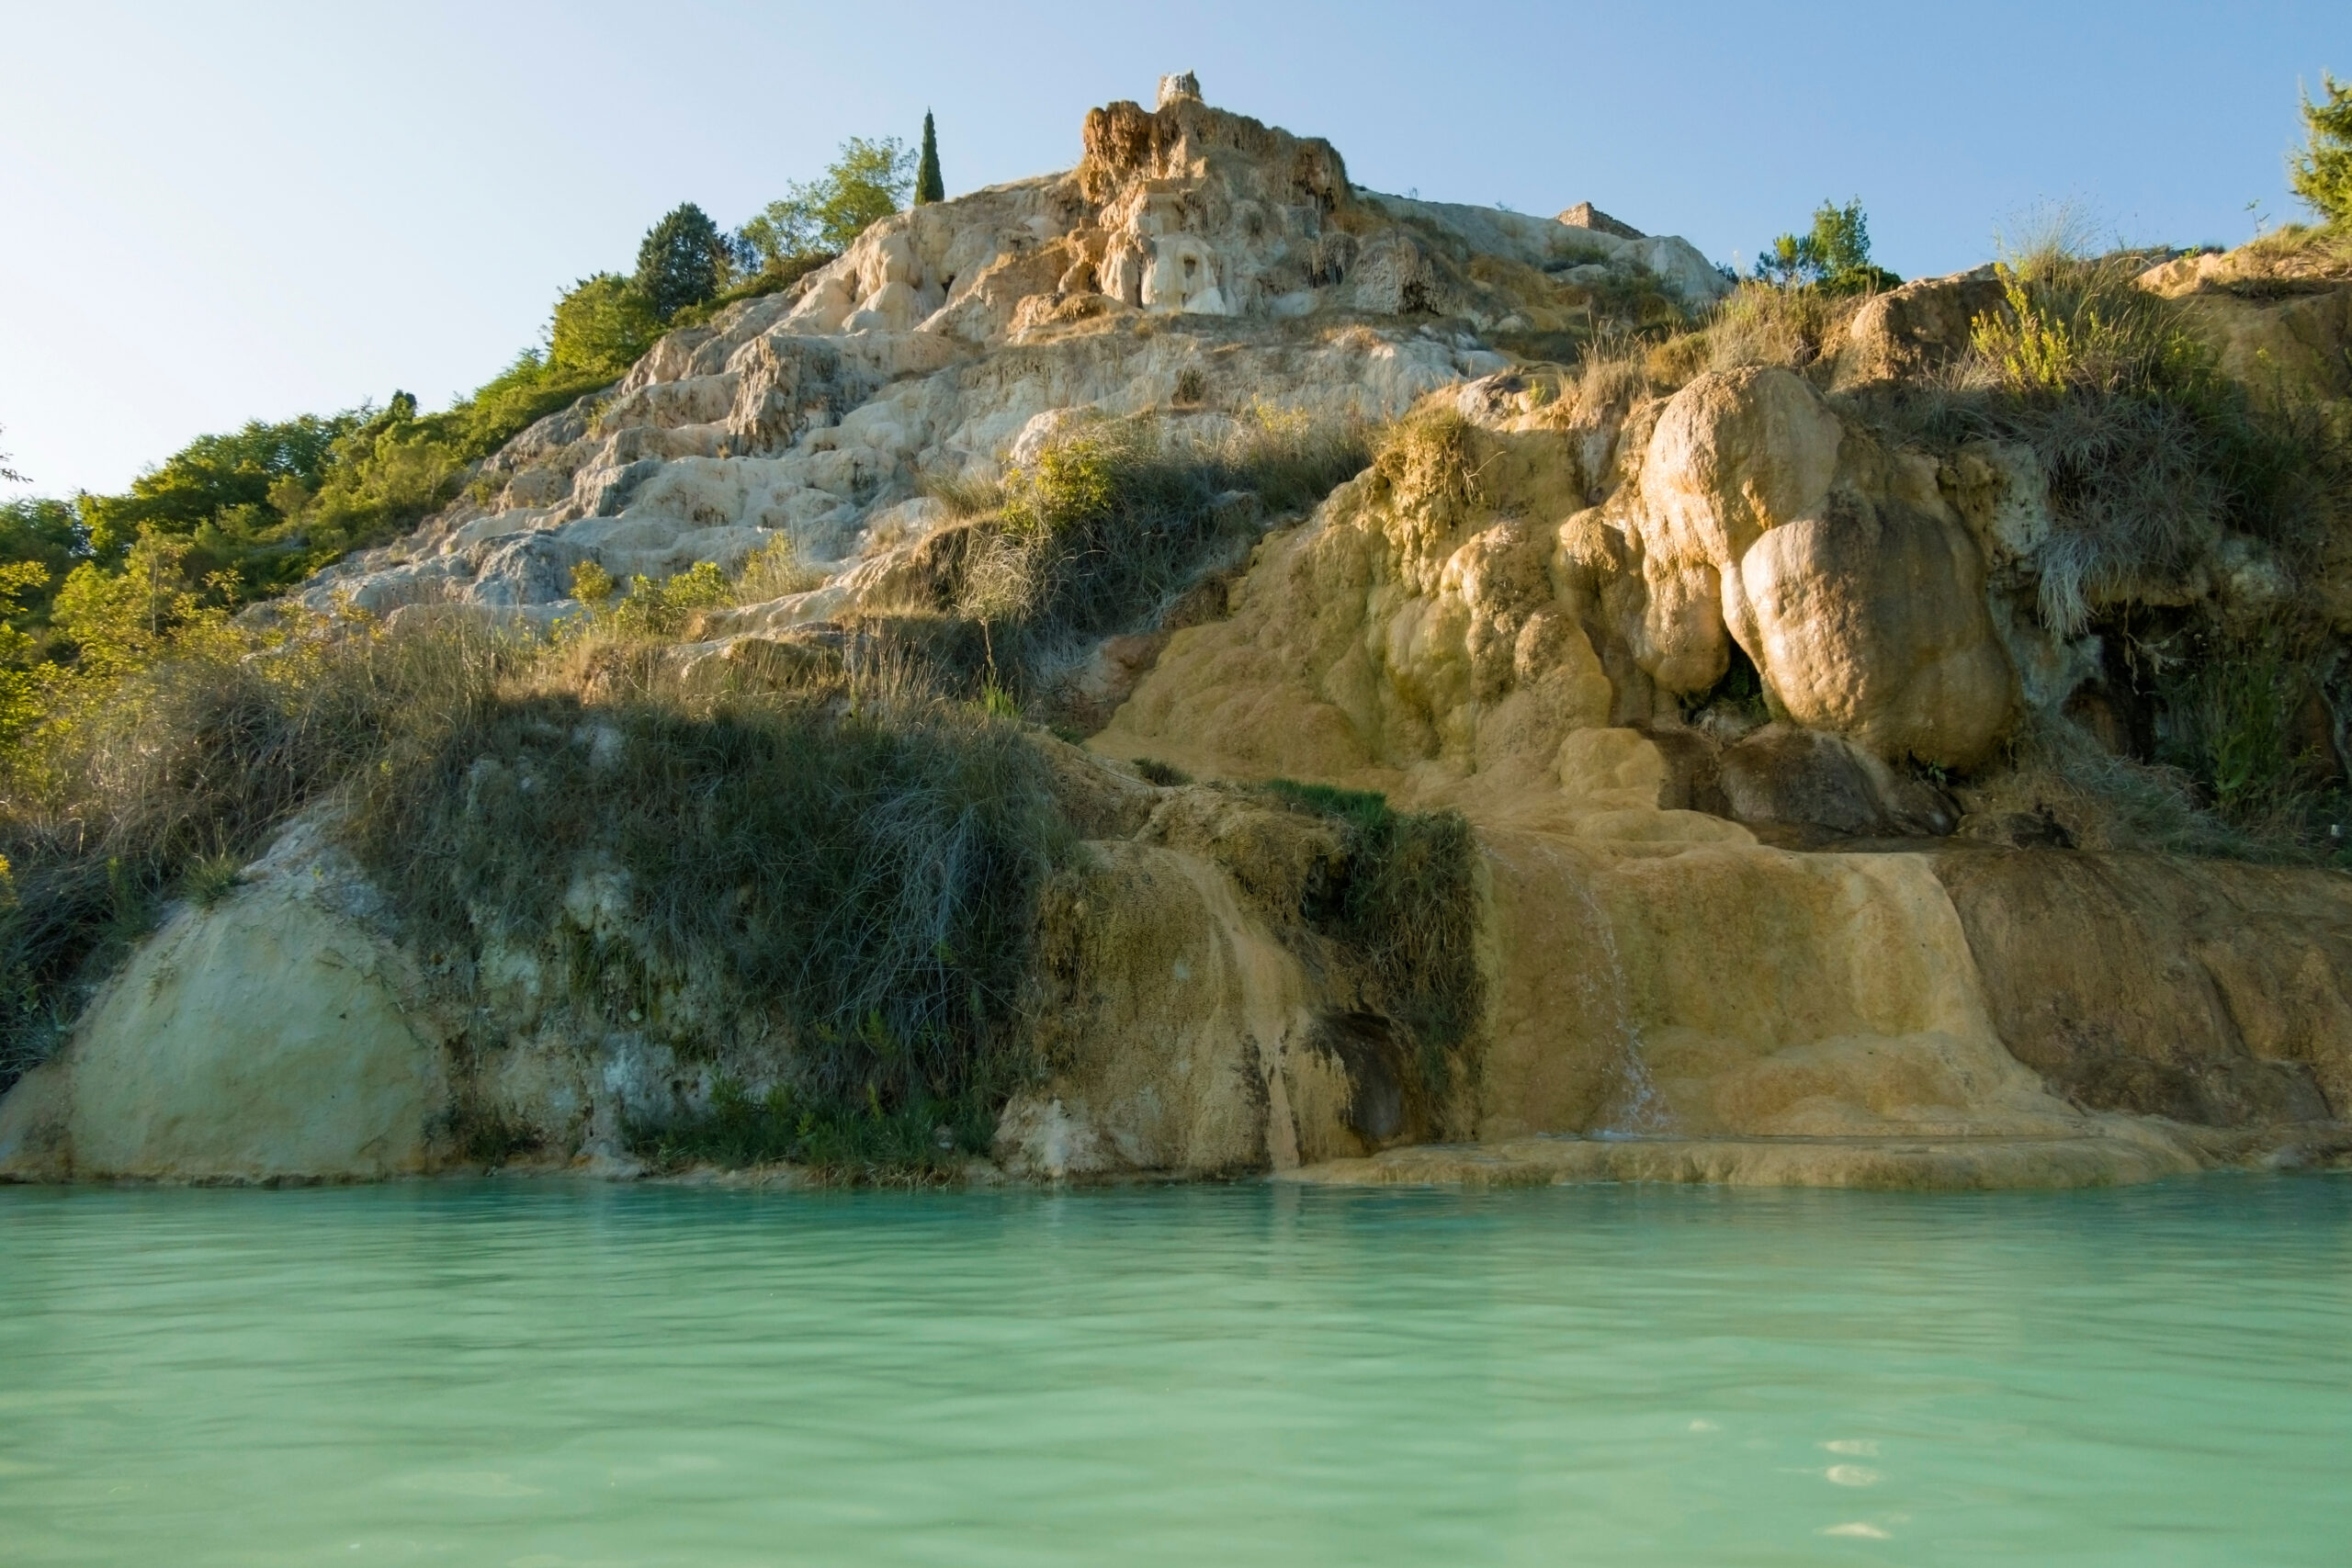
<point>541,1375</point>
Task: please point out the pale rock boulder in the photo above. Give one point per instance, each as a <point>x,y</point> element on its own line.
<point>1840,569</point>
<point>1915,329</point>
<point>273,1036</point>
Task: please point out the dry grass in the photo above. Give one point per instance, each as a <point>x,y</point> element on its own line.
<point>841,868</point>
<point>1792,328</point>
<point>1118,520</point>
<point>2108,802</point>
<point>179,776</point>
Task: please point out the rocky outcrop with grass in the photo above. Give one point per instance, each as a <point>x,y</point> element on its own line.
<point>1187,667</point>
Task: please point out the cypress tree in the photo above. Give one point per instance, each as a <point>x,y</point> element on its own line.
<point>928,187</point>
<point>682,261</point>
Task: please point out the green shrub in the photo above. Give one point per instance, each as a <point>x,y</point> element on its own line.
<point>1833,256</point>
<point>844,870</point>
<point>1113,524</point>
<point>601,326</point>
<point>1406,913</point>
<point>922,1140</point>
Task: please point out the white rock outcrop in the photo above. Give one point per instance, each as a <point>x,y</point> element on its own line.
<point>276,1036</point>
<point>1190,248</point>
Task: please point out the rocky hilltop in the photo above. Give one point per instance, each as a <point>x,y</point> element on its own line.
<point>1704,738</point>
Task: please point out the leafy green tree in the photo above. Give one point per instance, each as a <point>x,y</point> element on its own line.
<point>602,324</point>
<point>24,678</point>
<point>684,261</point>
<point>1834,255</point>
<point>10,475</point>
<point>867,182</point>
<point>216,474</point>
<point>928,187</point>
<point>43,533</point>
<point>2322,173</point>
<point>122,621</point>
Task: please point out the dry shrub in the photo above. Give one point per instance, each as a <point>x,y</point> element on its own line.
<point>1431,459</point>
<point>2290,260</point>
<point>179,775</point>
<point>844,872</point>
<point>2153,455</point>
<point>1758,324</point>
<point>776,570</point>
<point>1114,523</point>
<point>2104,801</point>
<point>963,495</point>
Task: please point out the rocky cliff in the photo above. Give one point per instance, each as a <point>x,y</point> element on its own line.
<point>1733,660</point>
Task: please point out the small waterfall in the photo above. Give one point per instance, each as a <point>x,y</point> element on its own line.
<point>1638,1109</point>
<point>1635,1108</point>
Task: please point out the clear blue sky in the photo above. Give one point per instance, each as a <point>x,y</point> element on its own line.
<point>210,212</point>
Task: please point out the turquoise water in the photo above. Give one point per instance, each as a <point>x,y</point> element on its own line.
<point>541,1374</point>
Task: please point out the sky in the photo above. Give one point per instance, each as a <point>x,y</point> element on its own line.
<point>211,212</point>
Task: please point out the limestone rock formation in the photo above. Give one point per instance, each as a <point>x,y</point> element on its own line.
<point>276,1036</point>
<point>1190,246</point>
<point>1695,658</point>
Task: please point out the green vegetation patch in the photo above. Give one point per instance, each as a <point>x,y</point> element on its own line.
<point>842,879</point>
<point>1405,911</point>
<point>1114,523</point>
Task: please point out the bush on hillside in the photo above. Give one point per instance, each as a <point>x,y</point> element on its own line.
<point>1404,911</point>
<point>866,183</point>
<point>1834,254</point>
<point>1116,519</point>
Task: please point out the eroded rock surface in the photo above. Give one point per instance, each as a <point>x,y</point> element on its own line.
<point>1691,665</point>
<point>276,1036</point>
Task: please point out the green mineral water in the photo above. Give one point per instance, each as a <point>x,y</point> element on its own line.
<point>544,1374</point>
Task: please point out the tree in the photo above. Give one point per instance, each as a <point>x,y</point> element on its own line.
<point>10,475</point>
<point>822,217</point>
<point>928,187</point>
<point>2322,173</point>
<point>684,261</point>
<point>1834,254</point>
<point>601,325</point>
<point>213,475</point>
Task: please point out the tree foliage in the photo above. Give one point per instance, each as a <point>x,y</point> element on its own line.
<point>601,326</point>
<point>929,185</point>
<point>2322,173</point>
<point>684,261</point>
<point>1834,254</point>
<point>866,183</point>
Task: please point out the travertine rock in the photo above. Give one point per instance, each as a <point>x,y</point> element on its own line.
<point>275,1036</point>
<point>1189,246</point>
<point>1917,328</point>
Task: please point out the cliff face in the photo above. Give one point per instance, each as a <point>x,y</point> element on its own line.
<point>1706,654</point>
